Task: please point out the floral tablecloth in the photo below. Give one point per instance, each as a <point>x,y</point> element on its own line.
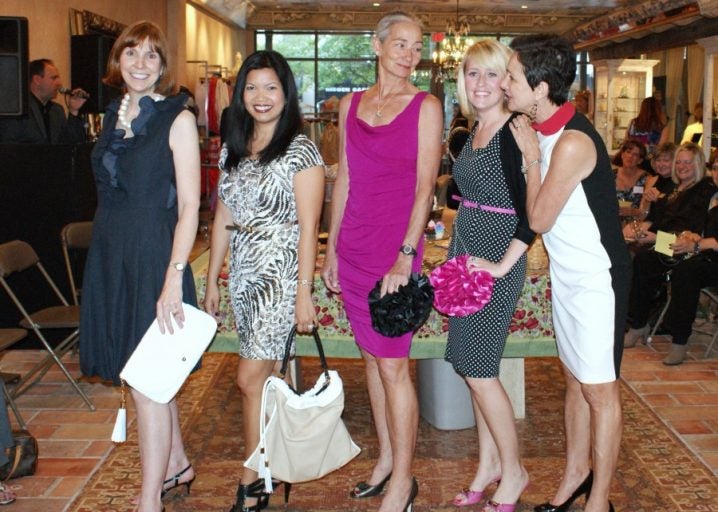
<point>530,332</point>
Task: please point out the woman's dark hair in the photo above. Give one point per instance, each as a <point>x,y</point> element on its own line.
<point>547,58</point>
<point>240,125</point>
<point>650,116</point>
<point>627,146</point>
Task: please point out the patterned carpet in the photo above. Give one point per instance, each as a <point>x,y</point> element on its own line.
<point>656,472</point>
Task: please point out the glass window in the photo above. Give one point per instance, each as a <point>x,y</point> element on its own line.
<point>339,77</point>
<point>327,64</point>
<point>294,45</point>
<point>304,73</point>
<point>261,41</point>
<point>345,46</point>
<point>426,48</point>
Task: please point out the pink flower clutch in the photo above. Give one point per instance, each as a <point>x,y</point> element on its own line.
<point>458,292</point>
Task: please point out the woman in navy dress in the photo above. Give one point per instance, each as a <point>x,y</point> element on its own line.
<point>146,166</point>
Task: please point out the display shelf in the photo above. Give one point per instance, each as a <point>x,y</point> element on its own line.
<point>621,85</point>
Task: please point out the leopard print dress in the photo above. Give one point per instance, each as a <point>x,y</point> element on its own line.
<point>263,261</point>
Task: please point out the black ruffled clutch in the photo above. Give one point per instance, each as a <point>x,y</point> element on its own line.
<point>404,310</point>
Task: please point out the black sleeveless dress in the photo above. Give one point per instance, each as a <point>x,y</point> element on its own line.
<point>132,236</point>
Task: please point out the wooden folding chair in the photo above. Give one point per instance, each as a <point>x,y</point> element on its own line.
<point>18,256</point>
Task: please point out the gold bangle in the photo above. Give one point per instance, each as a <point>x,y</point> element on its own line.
<point>525,168</point>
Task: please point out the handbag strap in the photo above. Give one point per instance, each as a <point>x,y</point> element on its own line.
<point>455,234</point>
<point>288,349</point>
<point>16,460</point>
<point>264,470</point>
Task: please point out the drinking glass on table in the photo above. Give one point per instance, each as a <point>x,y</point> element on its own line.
<point>633,229</point>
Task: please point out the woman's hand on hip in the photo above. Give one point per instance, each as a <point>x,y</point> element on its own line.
<point>475,264</point>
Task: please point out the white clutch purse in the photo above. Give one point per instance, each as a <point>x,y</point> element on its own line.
<point>162,362</point>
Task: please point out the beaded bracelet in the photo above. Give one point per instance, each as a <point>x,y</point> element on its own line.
<point>305,282</point>
<point>525,168</point>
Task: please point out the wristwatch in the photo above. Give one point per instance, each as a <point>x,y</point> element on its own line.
<point>408,250</point>
<point>178,266</point>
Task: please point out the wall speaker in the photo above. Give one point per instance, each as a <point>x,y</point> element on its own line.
<point>88,56</point>
<point>13,67</point>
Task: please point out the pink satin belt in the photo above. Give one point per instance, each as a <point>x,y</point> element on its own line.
<point>484,207</point>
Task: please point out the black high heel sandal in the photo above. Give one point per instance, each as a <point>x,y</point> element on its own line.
<point>364,490</point>
<point>176,483</point>
<point>253,490</point>
<point>287,488</point>
<point>584,488</point>
<point>412,495</point>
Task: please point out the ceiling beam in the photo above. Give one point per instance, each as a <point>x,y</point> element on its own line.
<point>672,38</point>
<point>489,23</point>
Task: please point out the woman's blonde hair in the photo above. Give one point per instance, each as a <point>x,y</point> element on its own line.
<point>487,53</point>
<point>135,35</point>
<point>698,159</point>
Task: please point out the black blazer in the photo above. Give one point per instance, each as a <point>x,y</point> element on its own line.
<point>31,129</point>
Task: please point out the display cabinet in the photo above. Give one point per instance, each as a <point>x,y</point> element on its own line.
<point>621,85</point>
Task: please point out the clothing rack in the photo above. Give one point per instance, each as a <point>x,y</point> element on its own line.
<point>214,69</point>
<point>205,65</point>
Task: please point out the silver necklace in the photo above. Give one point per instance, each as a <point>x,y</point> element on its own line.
<point>381,104</point>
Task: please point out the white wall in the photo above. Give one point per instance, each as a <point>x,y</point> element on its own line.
<point>211,40</point>
<point>49,22</point>
<point>199,37</point>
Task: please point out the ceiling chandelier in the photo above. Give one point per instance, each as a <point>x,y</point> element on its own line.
<point>450,48</point>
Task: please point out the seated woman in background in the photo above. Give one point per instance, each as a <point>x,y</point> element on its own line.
<point>695,129</point>
<point>630,178</point>
<point>660,184</point>
<point>689,276</point>
<point>685,212</point>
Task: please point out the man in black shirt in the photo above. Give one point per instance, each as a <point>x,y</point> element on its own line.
<point>46,122</point>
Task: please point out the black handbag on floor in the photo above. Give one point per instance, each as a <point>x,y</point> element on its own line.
<point>22,457</point>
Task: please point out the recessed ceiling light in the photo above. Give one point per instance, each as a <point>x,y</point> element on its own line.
<point>524,6</point>
<point>376,4</point>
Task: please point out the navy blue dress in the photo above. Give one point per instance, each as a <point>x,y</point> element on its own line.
<point>132,236</point>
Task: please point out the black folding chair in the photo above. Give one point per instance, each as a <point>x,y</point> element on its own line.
<point>18,256</point>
